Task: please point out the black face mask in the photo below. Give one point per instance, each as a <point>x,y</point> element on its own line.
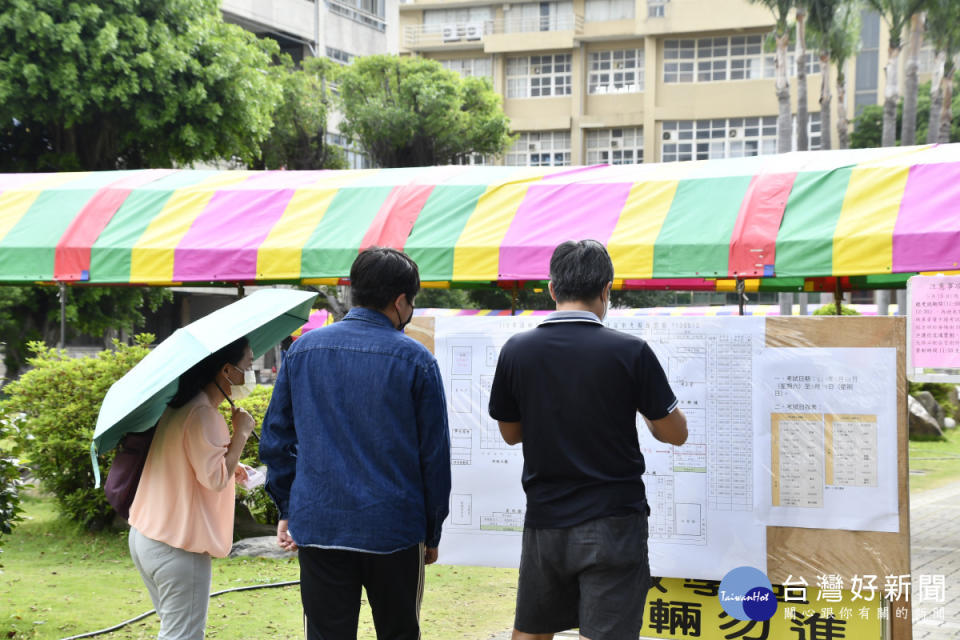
<point>403,325</point>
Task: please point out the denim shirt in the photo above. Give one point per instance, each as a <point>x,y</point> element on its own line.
<point>355,438</point>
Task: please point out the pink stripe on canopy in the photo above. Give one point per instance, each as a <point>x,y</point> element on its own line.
<point>927,233</point>
<point>223,241</point>
<point>554,213</point>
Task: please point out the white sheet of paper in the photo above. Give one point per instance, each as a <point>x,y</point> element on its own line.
<point>701,495</point>
<point>826,434</point>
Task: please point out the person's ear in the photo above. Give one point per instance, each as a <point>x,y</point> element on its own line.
<point>553,295</point>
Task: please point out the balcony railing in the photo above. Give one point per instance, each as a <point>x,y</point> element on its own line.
<point>472,33</point>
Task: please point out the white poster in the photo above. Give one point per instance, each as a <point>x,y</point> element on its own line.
<point>701,495</point>
<point>826,438</point>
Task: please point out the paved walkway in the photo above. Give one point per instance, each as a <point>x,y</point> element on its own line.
<point>934,550</point>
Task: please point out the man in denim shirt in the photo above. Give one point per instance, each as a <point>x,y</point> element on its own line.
<point>358,455</point>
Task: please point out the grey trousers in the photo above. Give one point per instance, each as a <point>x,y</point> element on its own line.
<point>179,585</point>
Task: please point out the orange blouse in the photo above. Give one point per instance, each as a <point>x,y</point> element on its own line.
<point>186,493</point>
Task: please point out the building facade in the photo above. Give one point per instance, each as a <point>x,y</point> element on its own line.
<point>338,29</point>
<point>625,81</point>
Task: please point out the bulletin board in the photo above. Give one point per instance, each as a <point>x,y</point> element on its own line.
<point>809,551</point>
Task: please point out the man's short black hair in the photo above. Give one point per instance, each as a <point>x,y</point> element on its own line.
<point>379,275</point>
<point>580,270</point>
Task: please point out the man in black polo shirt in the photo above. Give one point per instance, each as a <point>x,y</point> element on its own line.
<point>570,391</point>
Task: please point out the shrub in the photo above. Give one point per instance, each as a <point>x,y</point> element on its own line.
<point>258,500</point>
<point>9,479</point>
<point>830,309</point>
<point>55,406</point>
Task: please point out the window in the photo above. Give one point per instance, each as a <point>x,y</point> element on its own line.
<point>725,58</point>
<point>355,157</point>
<point>618,71</point>
<point>539,16</point>
<point>678,60</point>
<point>368,12</point>
<point>726,138</point>
<point>615,146</point>
<point>470,67</point>
<point>539,76</point>
<point>459,24</point>
<point>657,8</point>
<point>605,10</point>
<point>540,149</point>
<point>338,55</point>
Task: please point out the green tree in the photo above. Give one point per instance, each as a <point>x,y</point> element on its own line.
<point>33,313</point>
<point>835,31</point>
<point>409,112</point>
<point>55,407</point>
<point>781,11</point>
<point>869,124</point>
<point>943,24</point>
<point>298,138</point>
<point>112,84</point>
<point>898,15</point>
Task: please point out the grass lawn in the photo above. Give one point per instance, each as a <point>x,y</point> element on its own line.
<point>934,463</point>
<point>58,581</point>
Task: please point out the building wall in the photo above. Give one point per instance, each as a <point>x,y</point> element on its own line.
<point>438,29</point>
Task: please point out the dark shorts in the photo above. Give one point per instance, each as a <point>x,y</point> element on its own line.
<point>593,576</point>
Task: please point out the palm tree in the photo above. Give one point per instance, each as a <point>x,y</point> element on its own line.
<point>835,31</point>
<point>943,23</point>
<point>822,21</point>
<point>908,133</point>
<point>801,16</point>
<point>781,10</point>
<point>897,14</point>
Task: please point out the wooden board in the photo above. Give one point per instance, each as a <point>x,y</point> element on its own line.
<point>811,552</point>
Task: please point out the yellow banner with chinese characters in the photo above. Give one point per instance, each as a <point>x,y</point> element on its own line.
<point>677,608</point>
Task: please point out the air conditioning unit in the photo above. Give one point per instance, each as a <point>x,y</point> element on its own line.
<point>668,135</point>
<point>735,133</point>
<point>448,33</point>
<point>474,31</point>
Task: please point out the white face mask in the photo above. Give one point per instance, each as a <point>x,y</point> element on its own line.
<point>241,391</point>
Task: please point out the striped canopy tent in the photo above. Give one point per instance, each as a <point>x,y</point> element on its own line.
<point>793,221</point>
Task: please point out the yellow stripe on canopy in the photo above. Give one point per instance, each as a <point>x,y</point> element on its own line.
<point>863,239</point>
<point>476,255</point>
<point>151,259</point>
<point>15,202</point>
<point>632,241</point>
<point>280,255</point>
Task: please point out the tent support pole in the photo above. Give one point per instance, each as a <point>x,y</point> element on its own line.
<point>514,298</point>
<point>741,295</point>
<point>240,291</point>
<point>838,298</point>
<point>63,315</point>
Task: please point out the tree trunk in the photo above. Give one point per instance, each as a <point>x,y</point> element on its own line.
<point>936,97</point>
<point>825,98</point>
<point>908,135</point>
<point>843,130</point>
<point>784,117</point>
<point>803,141</point>
<point>946,112</point>
<point>891,96</point>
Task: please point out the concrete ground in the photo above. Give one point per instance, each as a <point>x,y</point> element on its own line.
<point>935,551</point>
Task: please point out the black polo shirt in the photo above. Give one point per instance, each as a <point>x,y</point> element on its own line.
<point>576,386</point>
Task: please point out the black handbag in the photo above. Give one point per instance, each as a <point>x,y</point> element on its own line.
<point>125,472</point>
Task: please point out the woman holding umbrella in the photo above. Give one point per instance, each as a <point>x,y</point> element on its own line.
<point>183,510</point>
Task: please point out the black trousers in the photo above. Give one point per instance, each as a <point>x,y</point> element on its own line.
<point>330,582</point>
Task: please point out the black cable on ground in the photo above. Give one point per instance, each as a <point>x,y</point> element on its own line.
<point>252,587</point>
